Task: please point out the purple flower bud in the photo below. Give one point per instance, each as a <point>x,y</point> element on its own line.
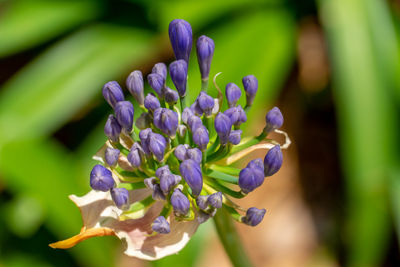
<point>135,155</point>
<point>236,114</point>
<point>162,171</point>
<point>112,93</point>
<point>171,96</point>
<point>250,179</point>
<point>194,154</point>
<point>156,82</point>
<point>206,103</point>
<point>166,120</point>
<point>195,107</point>
<point>205,51</point>
<point>181,37</point>
<point>178,71</point>
<point>186,114</point>
<point>202,202</point>
<point>120,196</point>
<point>180,203</point>
<point>167,182</point>
<point>194,122</point>
<point>160,225</point>
<point>134,83</point>
<point>181,130</point>
<point>111,156</point>
<point>157,145</point>
<point>234,137</point>
<point>144,121</point>
<point>112,129</point>
<point>256,163</point>
<point>215,200</point>
<point>201,138</point>
<point>160,69</point>
<point>202,217</point>
<point>273,161</point>
<point>223,126</point>
<point>250,84</point>
<point>180,152</point>
<point>101,178</point>
<point>191,172</point>
<point>232,93</point>
<point>253,216</point>
<point>144,140</point>
<point>124,114</point>
<point>274,119</point>
<point>157,193</point>
<point>150,182</point>
<point>151,102</point>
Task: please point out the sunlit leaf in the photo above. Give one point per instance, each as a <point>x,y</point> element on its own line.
<point>24,24</point>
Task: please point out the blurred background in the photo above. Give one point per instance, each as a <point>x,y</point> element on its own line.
<point>332,66</point>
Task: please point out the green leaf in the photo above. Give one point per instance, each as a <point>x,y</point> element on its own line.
<point>45,94</point>
<point>24,24</point>
<point>366,121</point>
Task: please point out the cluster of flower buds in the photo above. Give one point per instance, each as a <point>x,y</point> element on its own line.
<point>170,168</point>
<point>182,153</point>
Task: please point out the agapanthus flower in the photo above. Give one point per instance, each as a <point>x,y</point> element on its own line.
<point>159,178</point>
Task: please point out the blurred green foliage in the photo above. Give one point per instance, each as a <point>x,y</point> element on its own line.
<point>52,114</point>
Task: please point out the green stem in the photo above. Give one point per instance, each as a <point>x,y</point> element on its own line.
<point>222,176</point>
<point>254,141</point>
<point>216,185</point>
<point>204,85</point>
<point>226,169</point>
<point>230,239</point>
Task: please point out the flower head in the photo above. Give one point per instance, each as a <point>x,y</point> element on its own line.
<point>160,178</point>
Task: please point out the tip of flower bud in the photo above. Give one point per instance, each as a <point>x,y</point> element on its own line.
<point>160,69</point>
<point>166,120</point>
<point>111,156</point>
<point>191,172</point>
<point>181,37</point>
<point>235,136</point>
<point>101,178</point>
<point>135,85</point>
<point>202,202</point>
<point>250,84</point>
<point>274,119</point>
<point>151,102</point>
<point>223,126</point>
<point>180,152</point>
<point>160,225</point>
<point>124,113</point>
<point>250,179</point>
<point>112,93</point>
<point>232,93</point>
<point>201,138</point>
<point>273,161</point>
<point>135,155</point>
<point>178,72</point>
<point>237,115</point>
<point>215,200</point>
<point>206,103</point>
<point>253,216</point>
<point>112,129</point>
<point>120,196</point>
<point>171,96</point>
<point>205,51</point>
<point>157,145</point>
<point>180,203</point>
<point>156,82</point>
<point>194,154</point>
